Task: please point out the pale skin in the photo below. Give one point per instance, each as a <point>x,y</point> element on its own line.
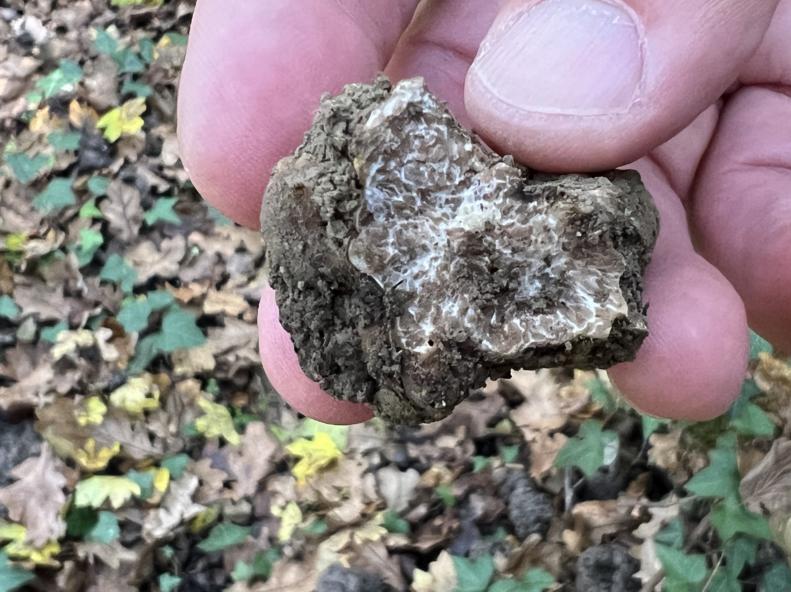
<point>696,94</point>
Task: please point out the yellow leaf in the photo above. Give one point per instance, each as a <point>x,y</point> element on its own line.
<point>16,242</point>
<point>92,412</point>
<point>42,121</point>
<point>290,517</point>
<point>161,479</point>
<point>69,342</point>
<point>137,395</point>
<point>123,120</point>
<point>80,116</point>
<point>217,421</point>
<point>10,531</point>
<point>313,455</point>
<point>92,459</point>
<point>95,490</point>
<point>17,548</point>
<point>205,519</point>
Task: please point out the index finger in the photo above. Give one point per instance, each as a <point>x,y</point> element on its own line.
<point>254,74</point>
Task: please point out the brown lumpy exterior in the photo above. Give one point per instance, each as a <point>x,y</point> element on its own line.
<point>411,262</point>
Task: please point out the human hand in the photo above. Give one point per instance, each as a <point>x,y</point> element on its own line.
<point>700,86</point>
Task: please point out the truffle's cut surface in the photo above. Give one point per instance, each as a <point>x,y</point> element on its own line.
<point>411,262</point>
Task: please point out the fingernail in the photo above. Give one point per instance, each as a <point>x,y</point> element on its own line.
<point>580,57</point>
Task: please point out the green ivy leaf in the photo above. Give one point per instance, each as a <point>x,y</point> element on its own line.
<point>90,241</point>
<point>473,575</point>
<point>176,464</point>
<point>759,345</point>
<point>730,517</point>
<point>68,73</point>
<point>259,569</point>
<point>316,528</point>
<point>128,61</point>
<point>134,314</point>
<point>147,349</point>
<point>55,196</point>
<point>106,529</point>
<point>176,38</point>
<point>739,551</point>
<point>534,580</point>
<point>479,463</point>
<point>721,477</point>
<point>159,299</point>
<point>394,523</point>
<point>98,185</point>
<point>179,331</point>
<point>776,579</point>
<point>509,454</point>
<point>590,449</point>
<point>650,425</point>
<point>688,568</point>
<point>672,534</point>
<point>50,334</point>
<point>162,211</point>
<point>118,271</point>
<point>105,43</point>
<point>168,582</point>
<point>26,168</point>
<point>89,210</point>
<point>8,308</point>
<point>64,141</point>
<point>80,521</point>
<point>11,576</point>
<point>723,581</point>
<point>749,419</point>
<point>146,47</point>
<point>445,493</point>
<point>602,396</point>
<point>224,535</point>
<point>537,580</point>
<point>138,89</point>
<point>144,480</point>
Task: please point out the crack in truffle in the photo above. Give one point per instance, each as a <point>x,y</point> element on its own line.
<point>411,262</point>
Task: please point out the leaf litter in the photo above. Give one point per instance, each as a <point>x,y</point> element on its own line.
<point>143,449</point>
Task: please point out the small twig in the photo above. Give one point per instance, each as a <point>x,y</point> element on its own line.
<point>651,584</point>
<point>568,489</point>
<point>713,571</point>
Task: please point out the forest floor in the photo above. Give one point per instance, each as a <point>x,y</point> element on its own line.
<point>141,447</point>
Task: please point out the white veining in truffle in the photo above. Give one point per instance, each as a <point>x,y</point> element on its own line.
<point>432,198</point>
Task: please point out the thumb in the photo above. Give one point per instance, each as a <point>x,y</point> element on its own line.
<point>593,84</point>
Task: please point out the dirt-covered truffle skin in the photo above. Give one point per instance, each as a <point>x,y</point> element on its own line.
<point>411,262</point>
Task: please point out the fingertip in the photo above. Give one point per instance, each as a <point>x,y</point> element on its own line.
<point>586,85</point>
<point>693,362</point>
<point>282,368</point>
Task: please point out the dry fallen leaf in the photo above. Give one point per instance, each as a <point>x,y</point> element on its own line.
<point>150,260</point>
<point>661,514</point>
<point>123,209</point>
<point>220,302</point>
<point>768,485</point>
<point>37,497</point>
<point>177,507</point>
<point>397,487</point>
<point>440,577</point>
<point>253,460</point>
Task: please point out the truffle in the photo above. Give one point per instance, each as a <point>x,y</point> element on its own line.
<point>411,262</point>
